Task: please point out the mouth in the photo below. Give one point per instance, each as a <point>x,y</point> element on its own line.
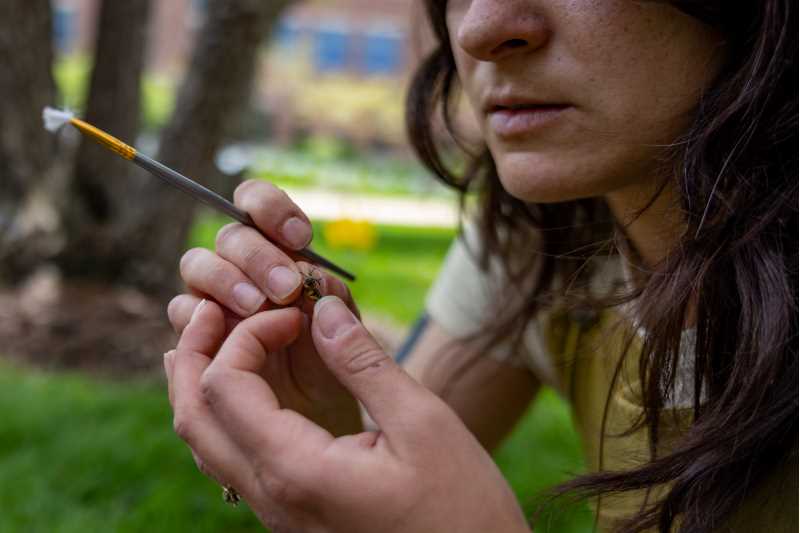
<point>515,119</point>
<point>523,107</point>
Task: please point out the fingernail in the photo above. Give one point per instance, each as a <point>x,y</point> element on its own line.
<point>282,282</point>
<point>297,233</point>
<point>197,309</point>
<point>248,297</point>
<point>333,316</point>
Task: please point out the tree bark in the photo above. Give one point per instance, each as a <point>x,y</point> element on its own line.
<point>26,86</point>
<point>94,215</point>
<point>212,97</point>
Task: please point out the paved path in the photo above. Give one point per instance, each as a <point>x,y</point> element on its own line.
<point>402,211</point>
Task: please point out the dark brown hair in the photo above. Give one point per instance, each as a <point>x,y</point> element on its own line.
<point>736,264</point>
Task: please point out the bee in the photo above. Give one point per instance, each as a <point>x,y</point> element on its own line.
<point>311,285</point>
<point>230,496</point>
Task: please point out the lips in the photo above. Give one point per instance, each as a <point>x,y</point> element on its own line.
<point>515,114</point>
<point>522,119</point>
<point>522,107</point>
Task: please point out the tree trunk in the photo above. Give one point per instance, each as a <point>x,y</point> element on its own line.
<point>94,213</point>
<point>26,149</point>
<point>212,97</point>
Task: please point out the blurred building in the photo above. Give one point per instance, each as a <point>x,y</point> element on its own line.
<point>172,27</point>
<point>329,68</point>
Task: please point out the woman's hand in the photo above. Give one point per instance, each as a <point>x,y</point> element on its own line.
<point>249,273</point>
<point>422,471</point>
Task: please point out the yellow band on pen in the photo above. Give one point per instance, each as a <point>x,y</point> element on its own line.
<point>109,141</point>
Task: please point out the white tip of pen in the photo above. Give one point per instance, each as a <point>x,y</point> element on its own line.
<point>55,118</point>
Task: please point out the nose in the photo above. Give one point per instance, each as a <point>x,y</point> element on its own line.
<point>491,30</point>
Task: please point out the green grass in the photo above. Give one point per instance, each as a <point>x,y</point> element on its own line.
<point>81,454</point>
<point>542,451</point>
<point>78,454</point>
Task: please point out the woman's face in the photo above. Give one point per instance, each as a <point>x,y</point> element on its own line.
<point>575,97</point>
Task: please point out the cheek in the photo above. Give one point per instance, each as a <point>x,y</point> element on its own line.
<point>644,82</point>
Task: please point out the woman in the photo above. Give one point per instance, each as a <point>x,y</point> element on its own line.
<point>635,247</point>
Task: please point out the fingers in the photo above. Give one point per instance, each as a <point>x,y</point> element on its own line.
<point>208,273</point>
<point>248,346</point>
<point>232,385</point>
<point>216,455</point>
<point>205,331</point>
<point>181,308</point>
<point>391,397</point>
<point>274,213</point>
<point>271,270</point>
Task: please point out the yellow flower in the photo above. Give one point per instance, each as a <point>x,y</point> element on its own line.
<point>350,234</point>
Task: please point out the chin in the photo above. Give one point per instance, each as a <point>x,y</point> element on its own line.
<point>540,180</point>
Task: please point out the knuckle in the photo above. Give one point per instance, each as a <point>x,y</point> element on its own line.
<point>210,385</point>
<point>254,259</point>
<point>364,356</point>
<point>218,274</point>
<point>183,426</point>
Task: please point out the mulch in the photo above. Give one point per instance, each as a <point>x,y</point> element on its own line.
<point>99,328</point>
<point>86,326</point>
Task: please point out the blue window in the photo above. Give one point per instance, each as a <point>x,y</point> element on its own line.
<point>63,27</point>
<point>383,53</point>
<point>331,49</point>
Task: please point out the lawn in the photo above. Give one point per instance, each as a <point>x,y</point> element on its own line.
<point>80,454</point>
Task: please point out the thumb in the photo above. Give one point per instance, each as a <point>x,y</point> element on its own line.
<point>391,397</point>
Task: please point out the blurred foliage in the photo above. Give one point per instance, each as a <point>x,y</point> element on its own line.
<point>365,108</point>
<point>316,161</point>
<point>72,78</point>
<point>374,105</point>
<point>326,163</point>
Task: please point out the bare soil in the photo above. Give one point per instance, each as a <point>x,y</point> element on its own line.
<point>104,329</point>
